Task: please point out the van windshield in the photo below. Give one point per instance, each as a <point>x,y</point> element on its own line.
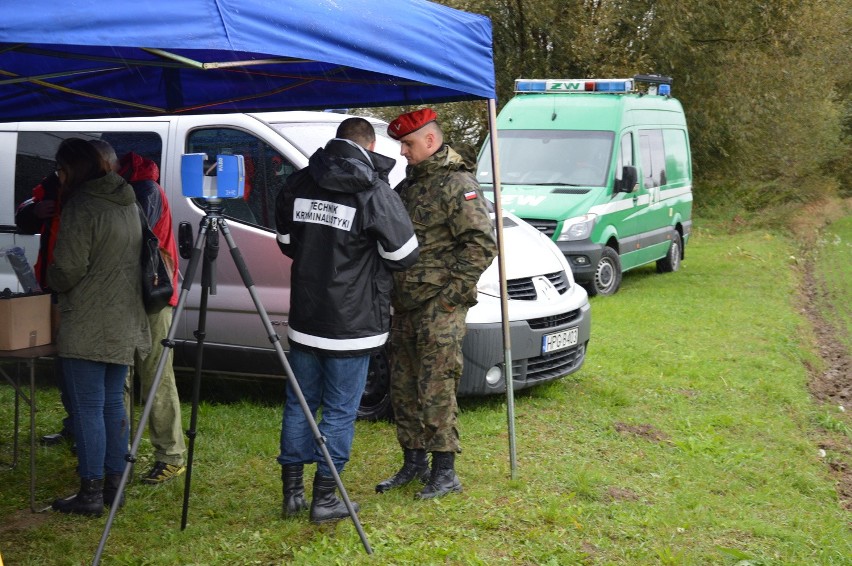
<point>307,136</point>
<point>550,157</point>
<point>310,136</point>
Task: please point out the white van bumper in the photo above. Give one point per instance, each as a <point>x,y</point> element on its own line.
<point>483,351</point>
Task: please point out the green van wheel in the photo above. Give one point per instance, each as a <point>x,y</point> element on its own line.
<point>607,278</point>
<point>671,262</point>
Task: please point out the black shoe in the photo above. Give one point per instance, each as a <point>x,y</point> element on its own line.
<point>88,501</point>
<point>293,487</point>
<point>161,472</point>
<point>111,482</point>
<point>57,438</point>
<point>415,466</point>
<point>325,505</point>
<point>443,479</point>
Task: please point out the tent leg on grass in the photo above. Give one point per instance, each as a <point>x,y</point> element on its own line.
<point>504,305</point>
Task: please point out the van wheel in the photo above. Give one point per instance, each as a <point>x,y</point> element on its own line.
<point>607,274</point>
<point>375,402</point>
<point>672,260</point>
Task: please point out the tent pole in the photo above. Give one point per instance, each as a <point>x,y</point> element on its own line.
<point>504,305</point>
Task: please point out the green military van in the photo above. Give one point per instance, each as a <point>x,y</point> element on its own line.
<point>600,166</point>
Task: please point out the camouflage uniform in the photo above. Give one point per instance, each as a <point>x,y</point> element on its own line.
<point>431,298</point>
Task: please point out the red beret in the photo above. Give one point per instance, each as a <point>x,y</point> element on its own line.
<point>411,122</point>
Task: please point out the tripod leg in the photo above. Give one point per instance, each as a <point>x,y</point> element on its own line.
<point>200,335</point>
<point>168,342</point>
<point>276,342</point>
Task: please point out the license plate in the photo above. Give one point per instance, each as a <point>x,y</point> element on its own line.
<point>559,340</point>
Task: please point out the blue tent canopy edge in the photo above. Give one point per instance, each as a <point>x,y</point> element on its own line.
<point>91,59</point>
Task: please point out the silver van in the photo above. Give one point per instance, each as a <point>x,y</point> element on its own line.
<point>549,313</point>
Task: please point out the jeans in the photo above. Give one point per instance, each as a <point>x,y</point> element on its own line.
<point>68,421</point>
<point>336,385</point>
<point>96,390</point>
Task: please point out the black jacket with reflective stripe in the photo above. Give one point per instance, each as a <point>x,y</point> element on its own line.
<point>346,231</point>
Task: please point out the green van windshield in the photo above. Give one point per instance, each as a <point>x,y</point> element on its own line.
<point>578,158</point>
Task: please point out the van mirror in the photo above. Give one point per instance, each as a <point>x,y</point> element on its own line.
<point>185,240</point>
<point>629,178</point>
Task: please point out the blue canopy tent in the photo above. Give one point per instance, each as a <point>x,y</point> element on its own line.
<point>92,59</point>
<point>123,58</point>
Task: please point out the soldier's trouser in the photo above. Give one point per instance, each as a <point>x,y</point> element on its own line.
<point>165,428</point>
<point>426,368</point>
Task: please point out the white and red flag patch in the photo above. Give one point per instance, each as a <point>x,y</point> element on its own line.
<point>470,195</point>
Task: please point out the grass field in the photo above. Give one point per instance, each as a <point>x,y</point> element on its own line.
<point>688,437</point>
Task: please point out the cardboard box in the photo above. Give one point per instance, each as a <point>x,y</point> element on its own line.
<point>25,322</point>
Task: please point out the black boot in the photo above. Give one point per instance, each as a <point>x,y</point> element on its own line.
<point>88,501</point>
<point>111,482</point>
<point>325,505</point>
<point>443,479</point>
<point>415,465</point>
<point>294,489</point>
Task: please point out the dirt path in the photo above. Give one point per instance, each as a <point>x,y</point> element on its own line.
<point>830,384</point>
<point>831,387</point>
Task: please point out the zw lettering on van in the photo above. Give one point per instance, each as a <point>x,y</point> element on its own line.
<point>522,200</point>
<point>323,212</point>
<point>566,86</point>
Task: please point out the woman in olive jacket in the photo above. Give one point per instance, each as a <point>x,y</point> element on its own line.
<point>97,275</point>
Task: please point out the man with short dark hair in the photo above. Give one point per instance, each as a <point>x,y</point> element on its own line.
<point>346,231</point>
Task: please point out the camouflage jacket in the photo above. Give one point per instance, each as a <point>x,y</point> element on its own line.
<point>452,224</point>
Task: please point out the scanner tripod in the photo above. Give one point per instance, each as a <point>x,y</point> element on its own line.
<point>206,247</point>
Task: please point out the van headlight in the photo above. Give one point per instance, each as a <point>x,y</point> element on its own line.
<point>488,286</point>
<point>494,375</point>
<point>578,228</point>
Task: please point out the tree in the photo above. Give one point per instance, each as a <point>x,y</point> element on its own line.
<point>765,85</point>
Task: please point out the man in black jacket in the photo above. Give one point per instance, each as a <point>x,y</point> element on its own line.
<point>346,231</point>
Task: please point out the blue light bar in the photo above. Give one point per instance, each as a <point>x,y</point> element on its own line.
<point>530,85</point>
<point>574,85</point>
<point>613,86</point>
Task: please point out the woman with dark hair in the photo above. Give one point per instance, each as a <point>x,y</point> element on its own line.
<point>96,273</point>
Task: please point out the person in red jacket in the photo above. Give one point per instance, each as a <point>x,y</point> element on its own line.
<point>164,423</point>
<point>39,214</point>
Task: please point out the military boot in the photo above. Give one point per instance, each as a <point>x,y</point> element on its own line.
<point>111,482</point>
<point>443,479</point>
<point>88,501</point>
<point>415,465</point>
<point>325,505</point>
<point>294,489</point>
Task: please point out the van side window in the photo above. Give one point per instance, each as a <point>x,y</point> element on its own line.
<point>266,172</point>
<point>678,166</point>
<point>625,154</point>
<point>36,151</point>
<point>653,157</point>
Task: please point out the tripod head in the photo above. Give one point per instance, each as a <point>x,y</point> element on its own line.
<point>212,206</point>
<point>210,227</point>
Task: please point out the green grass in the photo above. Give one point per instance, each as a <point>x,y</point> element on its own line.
<point>687,438</point>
